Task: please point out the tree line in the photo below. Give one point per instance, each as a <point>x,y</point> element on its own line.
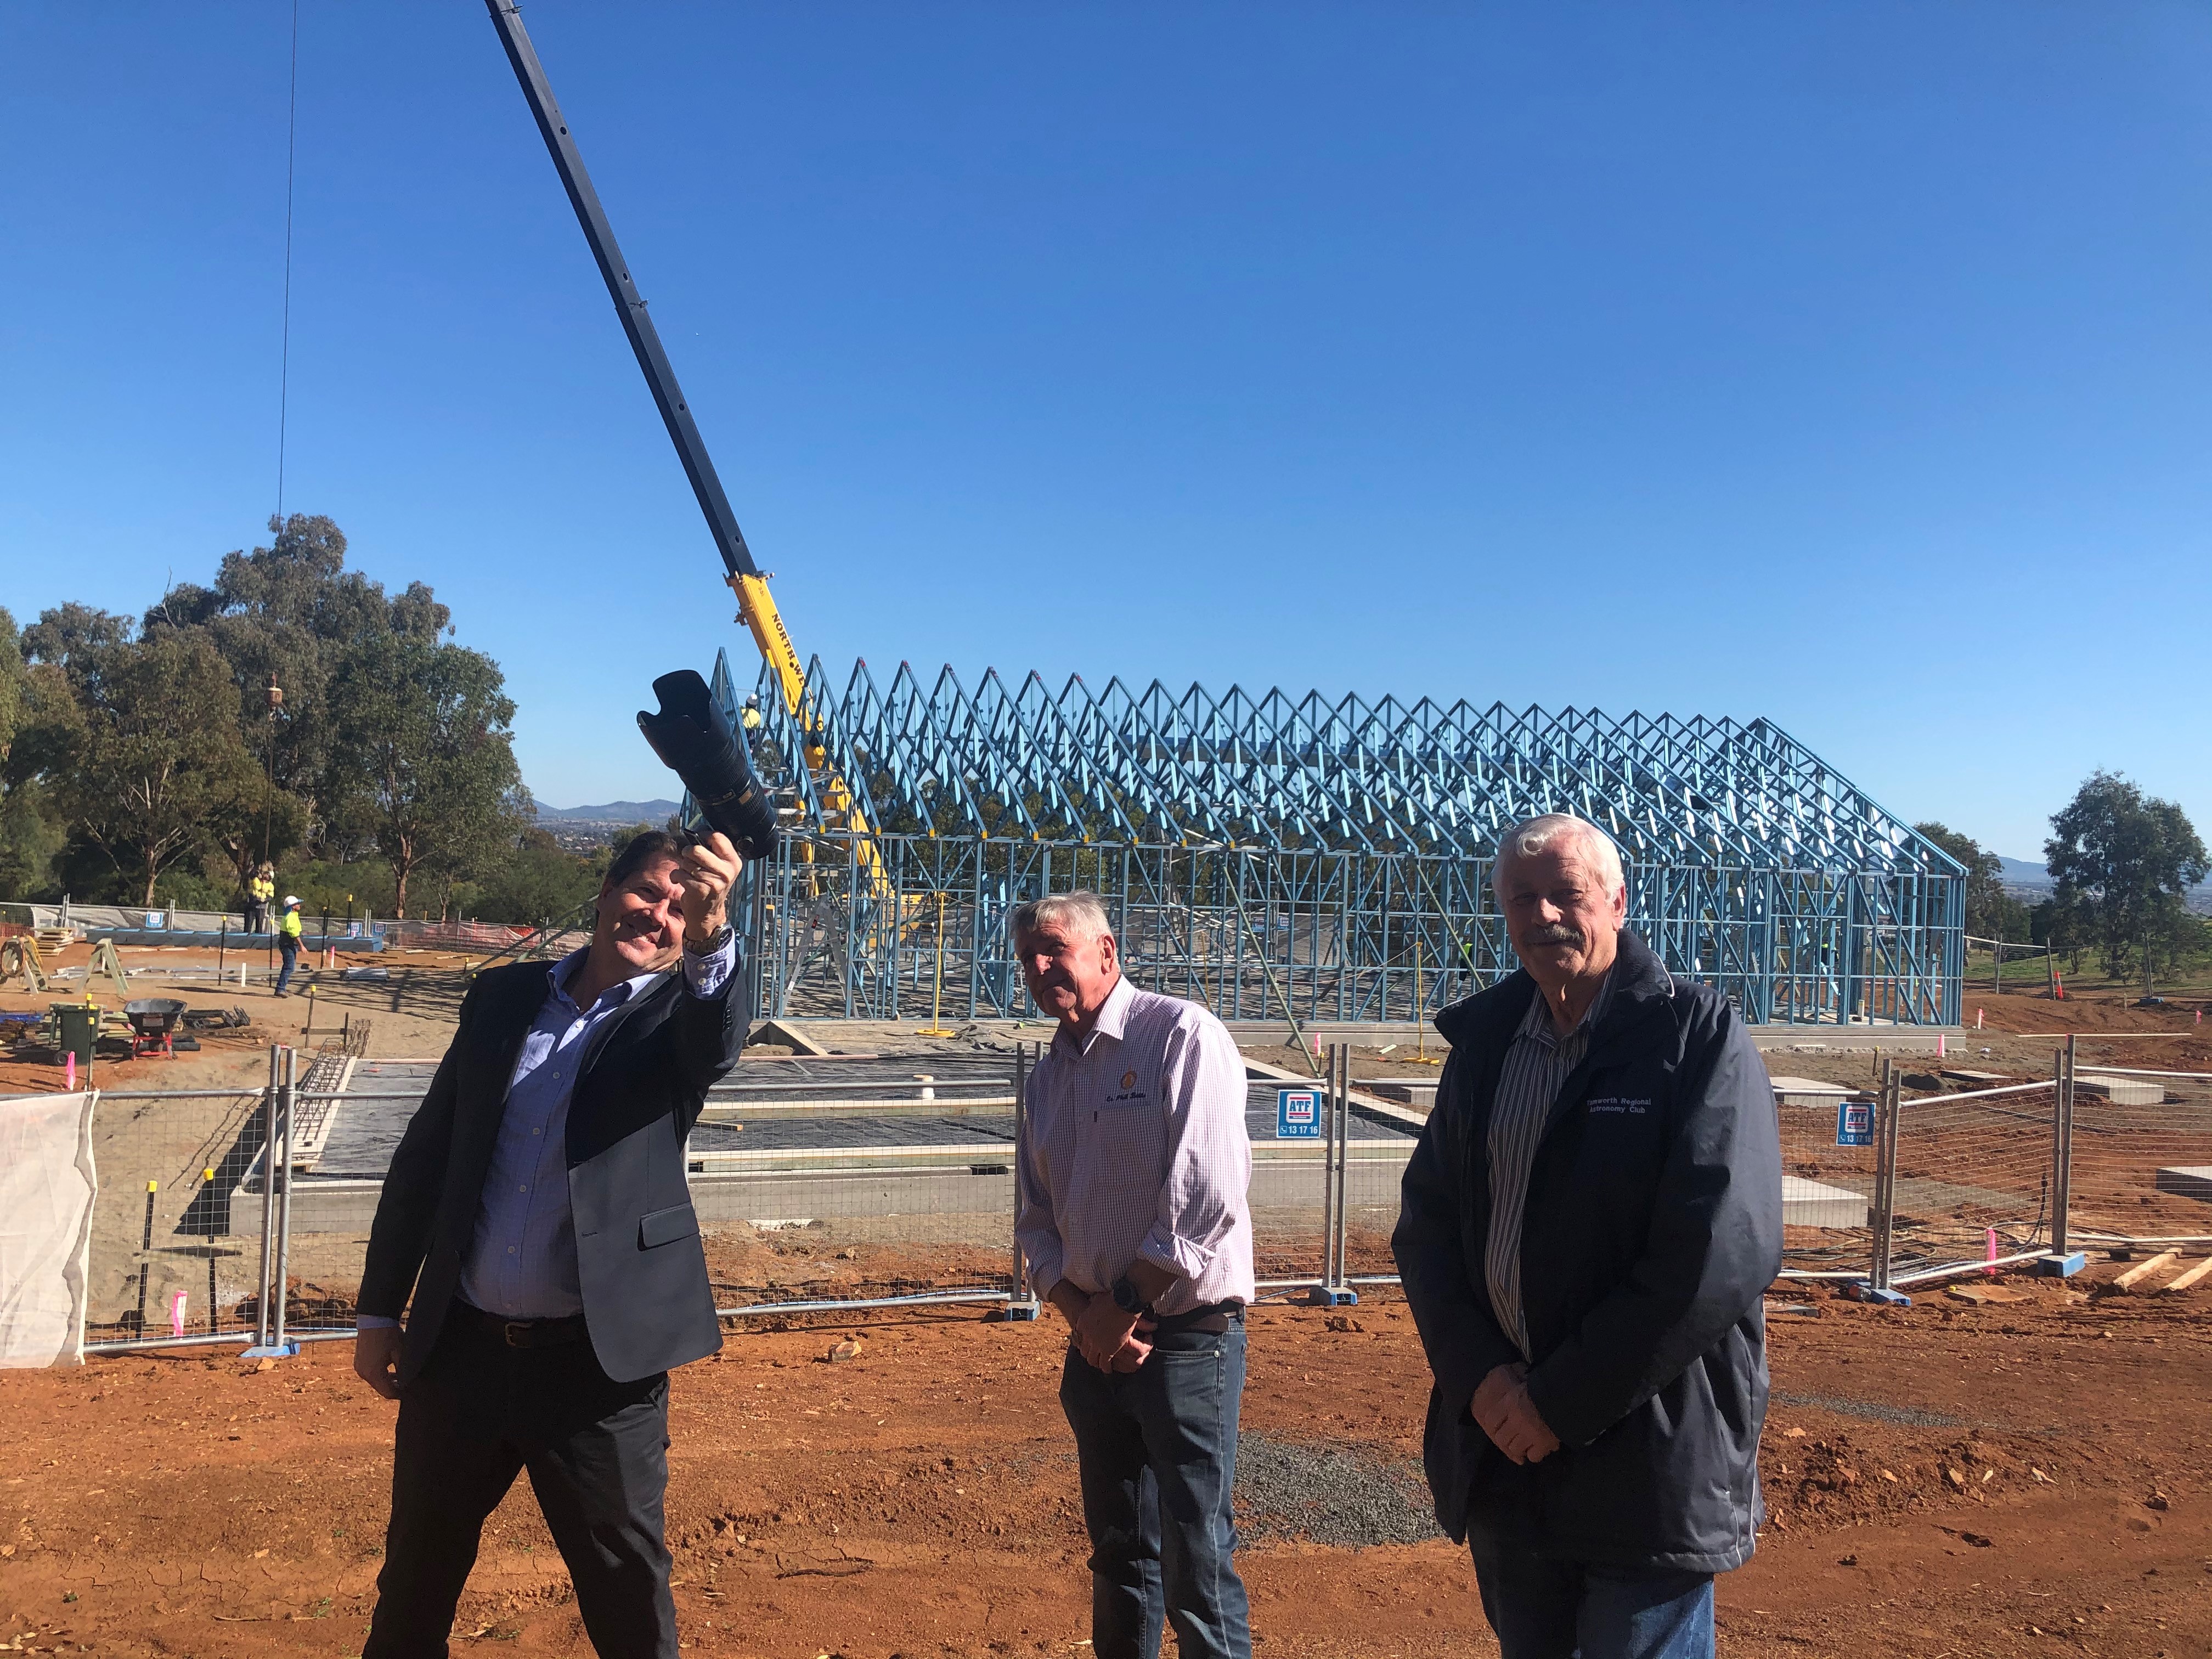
<point>2122,863</point>
<point>290,710</point>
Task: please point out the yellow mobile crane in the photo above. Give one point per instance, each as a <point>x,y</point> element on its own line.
<point>756,608</point>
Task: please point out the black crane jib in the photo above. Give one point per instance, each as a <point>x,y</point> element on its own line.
<point>629,305</point>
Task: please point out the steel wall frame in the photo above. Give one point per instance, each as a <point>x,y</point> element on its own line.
<point>1332,843</point>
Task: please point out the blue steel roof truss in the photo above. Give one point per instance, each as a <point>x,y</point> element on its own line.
<point>1359,833</point>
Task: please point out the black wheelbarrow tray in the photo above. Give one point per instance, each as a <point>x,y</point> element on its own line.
<point>152,1019</point>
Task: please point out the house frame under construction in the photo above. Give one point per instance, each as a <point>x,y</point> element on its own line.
<point>1330,859</point>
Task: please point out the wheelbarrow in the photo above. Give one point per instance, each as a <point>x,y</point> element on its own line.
<point>152,1019</point>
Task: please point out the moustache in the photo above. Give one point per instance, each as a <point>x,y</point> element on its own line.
<point>1558,933</point>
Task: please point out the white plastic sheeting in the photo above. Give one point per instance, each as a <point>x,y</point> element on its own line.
<point>47,1184</point>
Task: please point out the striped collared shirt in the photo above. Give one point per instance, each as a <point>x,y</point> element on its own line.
<point>1134,1145</point>
<point>1535,1065</point>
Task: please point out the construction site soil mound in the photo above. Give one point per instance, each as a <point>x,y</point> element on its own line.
<point>1989,1478</point>
<point>2096,1011</point>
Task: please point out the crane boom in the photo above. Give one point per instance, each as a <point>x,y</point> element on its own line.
<point>755,606</point>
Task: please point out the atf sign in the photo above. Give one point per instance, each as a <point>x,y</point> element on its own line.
<point>1855,1123</point>
<point>1297,1115</point>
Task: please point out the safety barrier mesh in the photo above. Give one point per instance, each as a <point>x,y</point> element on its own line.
<point>1970,1170</point>
<point>2142,1169</point>
<point>176,1244</point>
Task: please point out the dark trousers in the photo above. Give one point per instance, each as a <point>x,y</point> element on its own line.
<point>596,1451</point>
<point>1543,1608</point>
<point>289,948</point>
<point>1156,1449</point>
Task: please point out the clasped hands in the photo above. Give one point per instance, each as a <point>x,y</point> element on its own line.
<point>1501,1408</point>
<point>1105,1336</point>
<point>1109,1339</point>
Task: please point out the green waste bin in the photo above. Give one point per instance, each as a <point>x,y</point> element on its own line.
<point>76,1025</point>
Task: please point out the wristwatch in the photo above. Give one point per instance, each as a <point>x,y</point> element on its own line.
<point>1128,1298</point>
<point>721,937</point>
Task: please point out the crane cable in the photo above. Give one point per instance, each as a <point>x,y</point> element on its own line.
<point>283,397</point>
<point>284,368</point>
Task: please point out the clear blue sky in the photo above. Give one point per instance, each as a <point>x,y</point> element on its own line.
<point>1847,364</point>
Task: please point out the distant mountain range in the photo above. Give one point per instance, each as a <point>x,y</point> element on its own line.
<point>614,812</point>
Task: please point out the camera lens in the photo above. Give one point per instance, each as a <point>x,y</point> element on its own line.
<point>693,738</point>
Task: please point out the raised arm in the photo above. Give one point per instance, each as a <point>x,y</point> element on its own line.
<point>710,1026</point>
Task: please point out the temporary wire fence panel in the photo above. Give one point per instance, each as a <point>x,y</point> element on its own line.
<point>857,1180</point>
<point>839,1179</point>
<point>1968,1164</point>
<point>176,1238</point>
<point>2142,1169</point>
<point>851,1178</point>
<point>329,1175</point>
<point>1827,1181</point>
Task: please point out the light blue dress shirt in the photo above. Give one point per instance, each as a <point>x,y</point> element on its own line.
<point>522,1264</point>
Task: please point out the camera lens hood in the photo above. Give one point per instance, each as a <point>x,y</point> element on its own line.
<point>693,738</point>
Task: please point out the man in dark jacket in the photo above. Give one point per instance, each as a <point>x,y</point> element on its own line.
<point>537,1208</point>
<point>1589,1223</point>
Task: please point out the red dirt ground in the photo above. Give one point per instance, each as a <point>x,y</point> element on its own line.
<point>1950,1480</point>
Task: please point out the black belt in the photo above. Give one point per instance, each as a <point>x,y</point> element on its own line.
<point>1214,1318</point>
<point>524,1333</point>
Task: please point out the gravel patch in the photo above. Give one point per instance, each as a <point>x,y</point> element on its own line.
<point>1348,1497</point>
<point>1872,1411</point>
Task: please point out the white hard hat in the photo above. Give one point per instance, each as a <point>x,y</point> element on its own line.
<point>290,899</point>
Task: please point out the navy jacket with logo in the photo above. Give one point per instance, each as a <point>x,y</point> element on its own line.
<point>1653,1228</point>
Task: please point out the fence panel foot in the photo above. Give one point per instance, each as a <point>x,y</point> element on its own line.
<point>1884,1298</point>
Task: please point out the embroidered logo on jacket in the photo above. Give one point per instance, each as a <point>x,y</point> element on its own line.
<point>1621,1105</point>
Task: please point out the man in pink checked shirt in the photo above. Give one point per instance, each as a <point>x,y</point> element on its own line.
<point>1134,1166</point>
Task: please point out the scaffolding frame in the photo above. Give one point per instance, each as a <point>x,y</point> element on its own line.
<point>1345,846</point>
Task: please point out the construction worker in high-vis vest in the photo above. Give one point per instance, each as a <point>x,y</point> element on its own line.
<point>258,893</point>
<point>288,941</point>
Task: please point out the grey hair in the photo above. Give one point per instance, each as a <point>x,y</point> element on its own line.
<point>1531,835</point>
<point>1085,909</point>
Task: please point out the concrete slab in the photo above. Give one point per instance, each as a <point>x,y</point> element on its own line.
<point>788,1033</point>
<point>2186,1181</point>
<point>1405,1090</point>
<point>1809,1091</point>
<point>2120,1091</point>
<point>1808,1204</point>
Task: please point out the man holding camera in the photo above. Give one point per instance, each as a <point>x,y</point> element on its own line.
<point>537,1210</point>
<point>1134,1167</point>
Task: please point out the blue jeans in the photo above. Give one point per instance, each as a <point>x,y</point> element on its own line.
<point>1548,1609</point>
<point>289,948</point>
<point>1156,1448</point>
